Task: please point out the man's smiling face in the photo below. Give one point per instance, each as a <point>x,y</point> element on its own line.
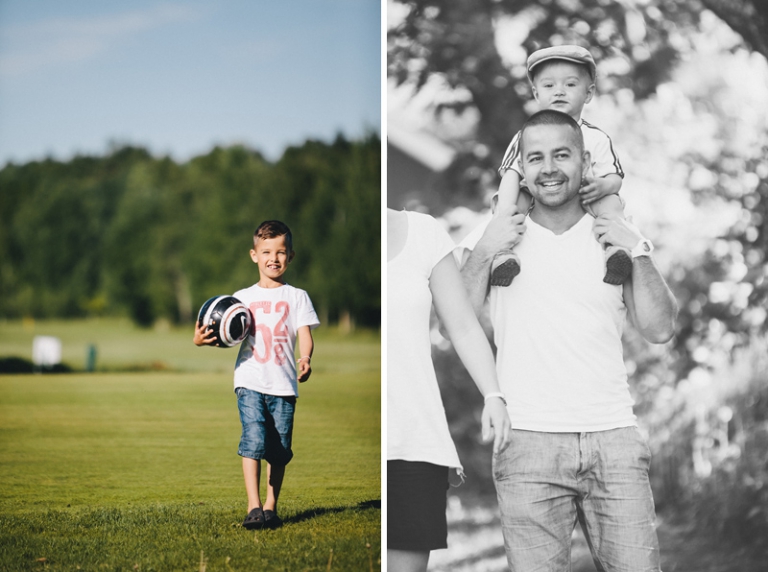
<point>553,163</point>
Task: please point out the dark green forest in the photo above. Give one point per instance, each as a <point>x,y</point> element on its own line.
<point>131,234</point>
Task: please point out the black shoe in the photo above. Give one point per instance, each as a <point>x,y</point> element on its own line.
<point>255,519</point>
<point>271,519</point>
<point>505,272</point>
<point>618,267</point>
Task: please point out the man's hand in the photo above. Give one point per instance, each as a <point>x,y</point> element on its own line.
<point>496,424</point>
<point>204,335</point>
<point>612,229</point>
<point>503,232</point>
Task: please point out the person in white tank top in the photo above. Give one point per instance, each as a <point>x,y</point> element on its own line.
<point>576,453</point>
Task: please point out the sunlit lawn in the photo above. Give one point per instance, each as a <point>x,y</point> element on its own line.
<point>139,471</point>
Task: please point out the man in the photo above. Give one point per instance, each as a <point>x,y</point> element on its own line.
<point>576,452</point>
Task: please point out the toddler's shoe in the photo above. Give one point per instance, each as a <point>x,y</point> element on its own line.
<point>255,519</point>
<point>271,519</point>
<point>505,266</point>
<point>618,265</point>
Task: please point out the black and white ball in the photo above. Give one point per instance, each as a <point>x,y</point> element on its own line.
<point>229,319</point>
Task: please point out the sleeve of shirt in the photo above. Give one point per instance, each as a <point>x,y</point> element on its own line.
<point>605,161</point>
<point>306,315</point>
<point>438,240</point>
<point>511,158</point>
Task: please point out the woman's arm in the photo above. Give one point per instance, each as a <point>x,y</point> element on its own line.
<point>461,325</point>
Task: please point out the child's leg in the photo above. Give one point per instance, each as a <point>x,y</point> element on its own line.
<point>275,475</point>
<point>618,261</point>
<point>252,476</point>
<point>506,264</point>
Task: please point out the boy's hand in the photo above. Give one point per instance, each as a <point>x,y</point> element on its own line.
<point>304,369</point>
<point>593,189</point>
<point>204,335</point>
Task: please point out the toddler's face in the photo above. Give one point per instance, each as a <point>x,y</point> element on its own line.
<point>563,86</point>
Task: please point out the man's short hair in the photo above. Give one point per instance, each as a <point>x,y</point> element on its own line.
<point>273,229</point>
<point>552,117</point>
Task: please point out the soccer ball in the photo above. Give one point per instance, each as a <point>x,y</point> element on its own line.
<point>229,319</point>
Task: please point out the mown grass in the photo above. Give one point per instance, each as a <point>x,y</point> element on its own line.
<point>139,471</point>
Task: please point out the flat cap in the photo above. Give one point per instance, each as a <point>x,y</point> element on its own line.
<point>575,54</point>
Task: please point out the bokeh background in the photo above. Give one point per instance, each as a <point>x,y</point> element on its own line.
<point>683,92</point>
<point>142,142</point>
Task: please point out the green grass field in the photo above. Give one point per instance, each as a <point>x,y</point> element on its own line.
<point>138,470</point>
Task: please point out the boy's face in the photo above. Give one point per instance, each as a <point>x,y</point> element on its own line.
<point>553,164</point>
<point>272,256</point>
<point>563,86</point>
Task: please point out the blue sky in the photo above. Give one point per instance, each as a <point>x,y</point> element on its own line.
<point>179,77</point>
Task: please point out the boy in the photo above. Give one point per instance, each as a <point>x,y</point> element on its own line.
<point>563,78</point>
<point>265,373</point>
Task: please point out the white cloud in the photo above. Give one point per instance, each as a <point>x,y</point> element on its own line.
<point>33,47</point>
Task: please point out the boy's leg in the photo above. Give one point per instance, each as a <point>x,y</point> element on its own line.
<point>618,261</point>
<point>251,474</point>
<point>275,475</point>
<point>506,265</point>
<point>252,477</point>
<point>278,442</point>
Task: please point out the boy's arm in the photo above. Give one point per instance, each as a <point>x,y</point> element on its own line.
<point>204,335</point>
<point>306,347</point>
<point>509,190</point>
<point>597,188</point>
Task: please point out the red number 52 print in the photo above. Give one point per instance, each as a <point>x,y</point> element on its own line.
<point>276,340</point>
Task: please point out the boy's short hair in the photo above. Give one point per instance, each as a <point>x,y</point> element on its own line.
<point>573,54</point>
<point>273,229</point>
<point>553,117</point>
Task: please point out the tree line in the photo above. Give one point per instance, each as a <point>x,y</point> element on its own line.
<point>131,234</point>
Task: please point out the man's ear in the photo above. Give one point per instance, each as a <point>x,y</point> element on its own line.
<point>253,256</point>
<point>586,164</point>
<point>291,255</point>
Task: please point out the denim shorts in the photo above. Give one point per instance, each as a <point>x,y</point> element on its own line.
<point>547,482</point>
<point>267,422</point>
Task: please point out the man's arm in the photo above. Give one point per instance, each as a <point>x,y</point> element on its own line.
<point>503,232</point>
<point>650,303</point>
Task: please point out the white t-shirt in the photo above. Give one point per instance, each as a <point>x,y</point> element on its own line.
<point>266,361</point>
<point>417,429</point>
<point>558,330</point>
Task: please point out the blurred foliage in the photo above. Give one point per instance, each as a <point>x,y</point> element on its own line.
<point>682,89</point>
<point>131,234</point>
